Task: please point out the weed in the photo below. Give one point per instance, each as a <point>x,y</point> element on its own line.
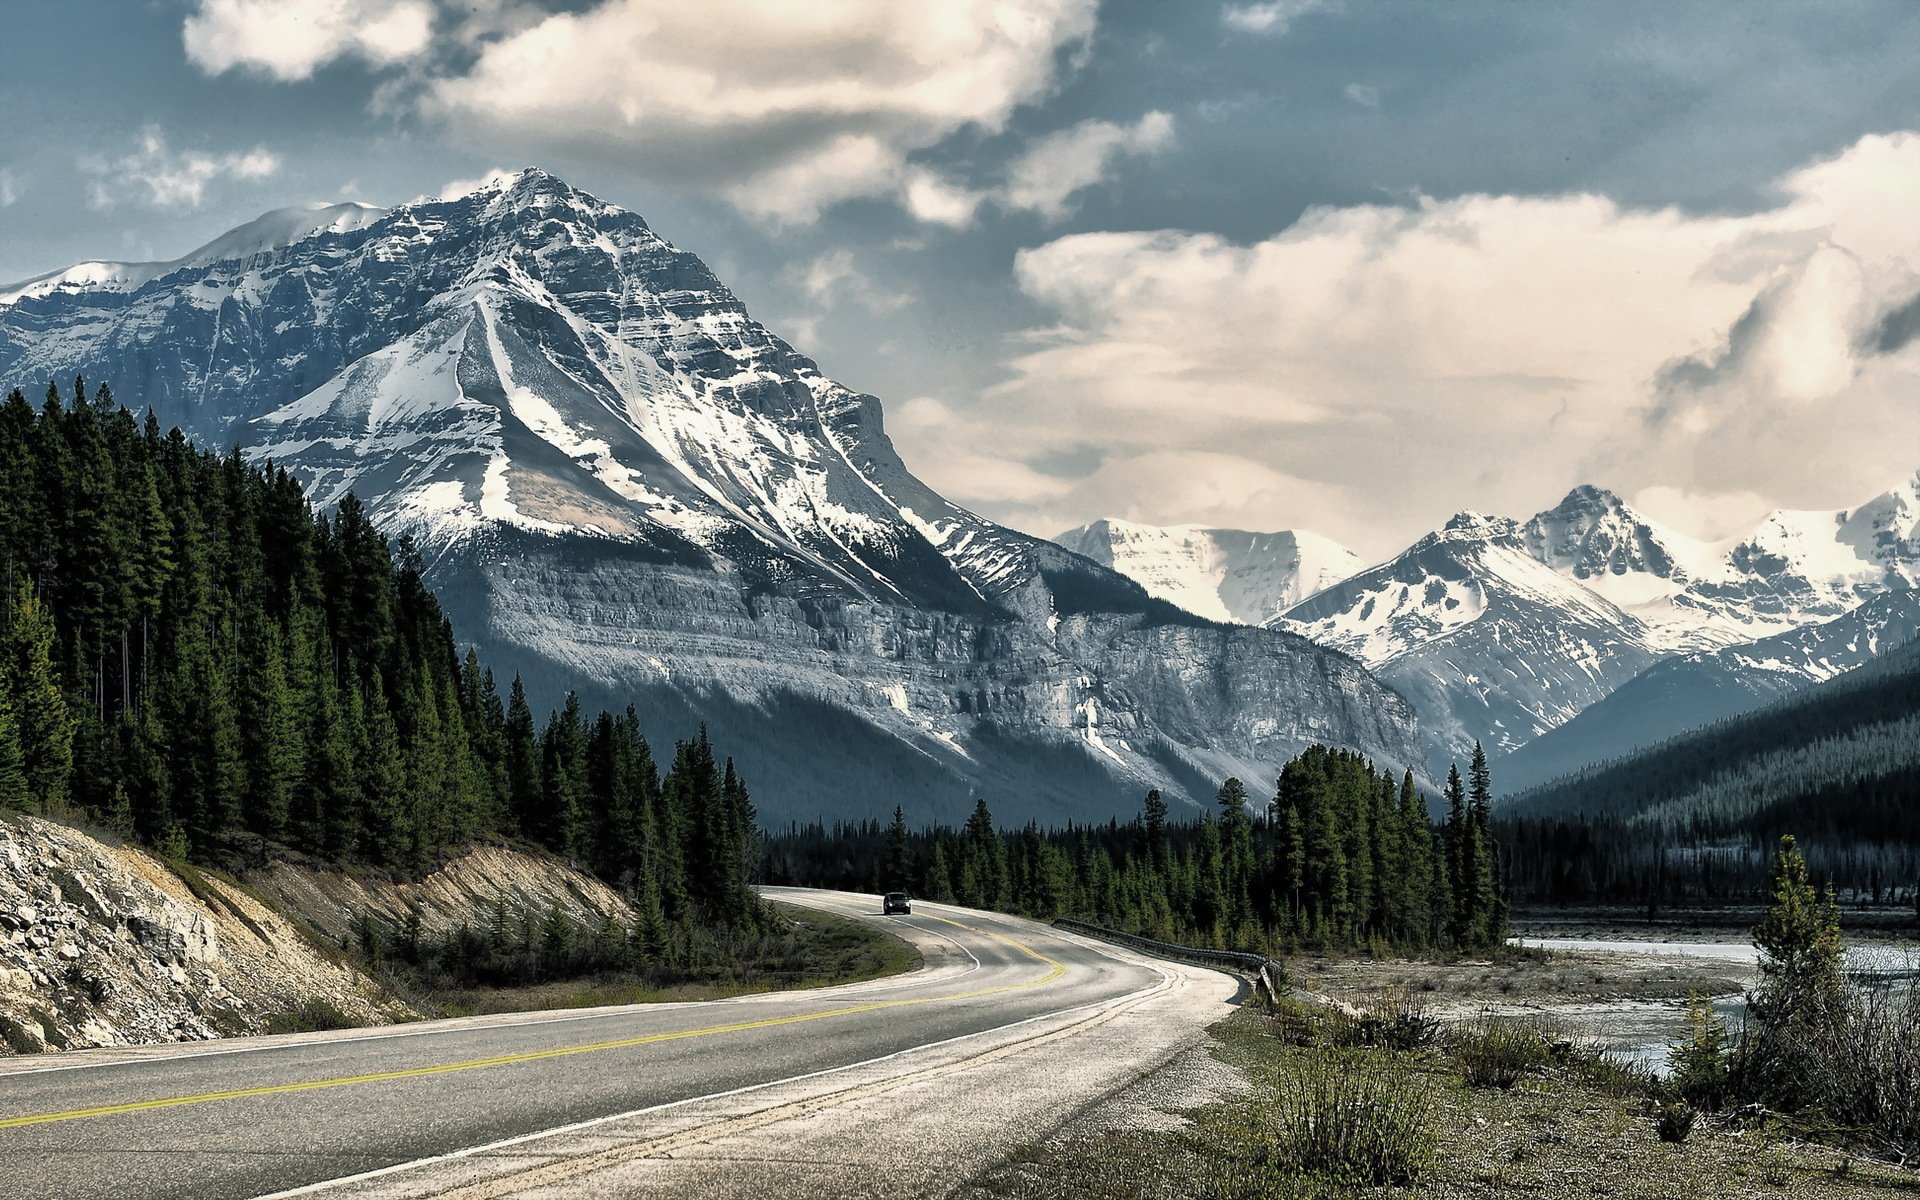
<point>1498,1054</point>
<point>1352,1117</point>
<point>313,1016</point>
<point>1674,1121</point>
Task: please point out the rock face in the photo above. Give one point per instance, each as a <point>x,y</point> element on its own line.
<point>1220,574</point>
<point>104,946</point>
<point>620,481</point>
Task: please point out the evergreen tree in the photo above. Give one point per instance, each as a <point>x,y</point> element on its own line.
<point>899,869</point>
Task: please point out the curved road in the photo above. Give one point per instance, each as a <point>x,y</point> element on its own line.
<point>1008,1028</point>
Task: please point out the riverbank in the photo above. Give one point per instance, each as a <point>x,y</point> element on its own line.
<point>1219,1124</point>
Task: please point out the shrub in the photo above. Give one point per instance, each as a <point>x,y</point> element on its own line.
<point>1396,1021</point>
<point>1674,1121</point>
<point>1356,1118</point>
<point>313,1016</point>
<point>1497,1054</point>
<point>1701,1070</point>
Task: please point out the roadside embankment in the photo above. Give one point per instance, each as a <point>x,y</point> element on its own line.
<point>106,945</point>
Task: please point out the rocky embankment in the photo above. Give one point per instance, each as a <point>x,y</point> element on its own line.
<point>105,945</point>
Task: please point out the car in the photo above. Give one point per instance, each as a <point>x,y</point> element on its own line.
<point>895,902</point>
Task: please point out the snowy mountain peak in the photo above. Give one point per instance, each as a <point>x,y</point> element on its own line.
<point>1221,574</point>
<point>619,479</point>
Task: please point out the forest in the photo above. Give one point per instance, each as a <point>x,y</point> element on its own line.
<point>1341,855</point>
<point>1697,818</point>
<point>193,657</point>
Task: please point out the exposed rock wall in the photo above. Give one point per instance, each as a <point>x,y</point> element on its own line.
<point>105,945</point>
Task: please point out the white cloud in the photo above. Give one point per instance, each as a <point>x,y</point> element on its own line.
<point>836,276</point>
<point>1390,364</point>
<point>168,178</point>
<point>453,189</point>
<point>785,109</point>
<point>1362,94</point>
<point>1053,168</point>
<point>9,189</point>
<point>290,39</point>
<point>1269,19</point>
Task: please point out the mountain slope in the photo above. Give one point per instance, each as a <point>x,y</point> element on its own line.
<point>1220,574</point>
<point>1689,690</point>
<point>1562,610</point>
<point>1839,760</point>
<point>620,481</point>
<point>1489,643</point>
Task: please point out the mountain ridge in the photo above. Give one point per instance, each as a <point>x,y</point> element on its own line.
<point>621,481</point>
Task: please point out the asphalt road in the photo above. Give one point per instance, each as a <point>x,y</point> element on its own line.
<point>497,1106</point>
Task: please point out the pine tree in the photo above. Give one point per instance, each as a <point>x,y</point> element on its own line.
<point>45,725</point>
<point>899,869</point>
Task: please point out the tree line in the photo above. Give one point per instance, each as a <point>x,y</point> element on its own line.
<point>193,656</point>
<point>1341,855</point>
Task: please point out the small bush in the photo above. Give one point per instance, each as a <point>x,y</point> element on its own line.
<point>1397,1021</point>
<point>1674,1121</point>
<point>1498,1054</point>
<point>1359,1119</point>
<point>1701,1071</point>
<point>314,1016</point>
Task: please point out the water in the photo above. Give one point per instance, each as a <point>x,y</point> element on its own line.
<point>1642,1031</point>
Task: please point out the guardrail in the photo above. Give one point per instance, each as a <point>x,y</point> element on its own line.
<point>1266,973</point>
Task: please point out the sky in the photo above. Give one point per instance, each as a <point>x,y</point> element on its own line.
<point>1323,264</point>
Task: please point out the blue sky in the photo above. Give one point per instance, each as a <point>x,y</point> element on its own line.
<point>1342,266</point>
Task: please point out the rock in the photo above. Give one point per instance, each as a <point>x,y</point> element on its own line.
<point>28,913</point>
<point>68,951</point>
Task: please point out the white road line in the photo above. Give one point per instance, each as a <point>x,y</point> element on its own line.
<point>1166,981</point>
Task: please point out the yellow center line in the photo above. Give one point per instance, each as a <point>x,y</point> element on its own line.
<point>502,1060</point>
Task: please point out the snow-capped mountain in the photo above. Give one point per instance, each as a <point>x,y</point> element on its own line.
<point>1489,643</point>
<point>1697,688</point>
<point>1560,611</point>
<point>622,482</point>
<point>1220,574</point>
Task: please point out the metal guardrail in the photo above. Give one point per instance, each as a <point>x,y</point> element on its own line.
<point>1266,973</point>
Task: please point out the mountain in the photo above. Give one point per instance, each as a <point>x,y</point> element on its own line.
<point>1694,689</point>
<point>619,481</point>
<point>1500,632</point>
<point>1839,761</point>
<point>1489,643</point>
<point>1220,574</point>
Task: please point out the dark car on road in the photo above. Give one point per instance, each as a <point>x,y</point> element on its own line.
<point>895,902</point>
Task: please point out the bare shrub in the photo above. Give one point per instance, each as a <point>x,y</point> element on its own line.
<point>1357,1118</point>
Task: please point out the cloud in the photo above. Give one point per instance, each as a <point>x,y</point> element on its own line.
<point>290,39</point>
<point>1270,19</point>
<point>784,109</point>
<point>835,276</point>
<point>1363,95</point>
<point>1055,167</point>
<point>1389,364</point>
<point>169,178</point>
<point>453,189</point>
<point>9,189</point>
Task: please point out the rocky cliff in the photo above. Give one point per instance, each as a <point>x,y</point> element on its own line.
<point>105,945</point>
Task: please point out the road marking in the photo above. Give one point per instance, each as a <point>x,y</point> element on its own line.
<point>134,1106</point>
<point>1113,1006</point>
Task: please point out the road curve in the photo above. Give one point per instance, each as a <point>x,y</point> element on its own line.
<point>619,1101</point>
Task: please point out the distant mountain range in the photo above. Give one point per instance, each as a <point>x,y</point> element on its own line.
<point>621,482</point>
<point>1590,629</point>
<point>1220,574</point>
